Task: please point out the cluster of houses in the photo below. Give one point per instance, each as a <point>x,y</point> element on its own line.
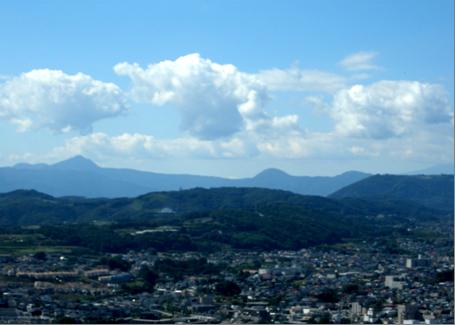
<point>356,283</point>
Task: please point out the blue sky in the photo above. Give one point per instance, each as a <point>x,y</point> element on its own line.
<point>326,86</point>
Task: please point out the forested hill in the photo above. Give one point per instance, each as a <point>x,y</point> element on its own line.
<point>31,207</point>
<point>207,219</point>
<point>432,191</point>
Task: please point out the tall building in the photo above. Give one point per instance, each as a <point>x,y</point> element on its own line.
<point>401,309</point>
<point>392,282</point>
<point>356,311</point>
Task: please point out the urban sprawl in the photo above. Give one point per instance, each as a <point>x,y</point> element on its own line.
<point>348,283</point>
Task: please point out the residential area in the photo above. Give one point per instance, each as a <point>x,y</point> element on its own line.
<point>347,283</point>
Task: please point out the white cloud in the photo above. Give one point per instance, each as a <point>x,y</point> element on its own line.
<point>213,99</point>
<point>217,100</point>
<point>274,137</point>
<point>295,79</point>
<point>52,99</point>
<point>427,146</point>
<point>277,138</point>
<point>360,61</point>
<point>148,147</point>
<point>318,103</point>
<point>224,117</point>
<point>389,108</point>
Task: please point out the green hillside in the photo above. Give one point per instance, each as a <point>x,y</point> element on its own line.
<point>435,192</point>
<point>201,219</point>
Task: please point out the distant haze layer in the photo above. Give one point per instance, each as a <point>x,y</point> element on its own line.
<point>79,176</point>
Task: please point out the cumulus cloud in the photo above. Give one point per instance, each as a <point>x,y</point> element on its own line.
<point>427,146</point>
<point>360,61</point>
<point>52,99</point>
<point>278,136</point>
<point>275,137</point>
<point>389,108</point>
<point>217,100</point>
<point>295,79</point>
<point>318,103</point>
<point>223,112</point>
<point>214,99</point>
<point>148,147</point>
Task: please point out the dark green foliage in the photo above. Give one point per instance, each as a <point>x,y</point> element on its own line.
<point>264,317</point>
<point>144,283</point>
<point>227,288</point>
<point>207,220</point>
<point>444,276</point>
<point>40,256</point>
<point>101,239</point>
<point>148,276</point>
<point>351,288</point>
<point>36,313</point>
<point>31,207</point>
<point>435,192</point>
<point>134,287</point>
<point>324,318</point>
<point>65,320</point>
<point>116,263</point>
<point>328,295</point>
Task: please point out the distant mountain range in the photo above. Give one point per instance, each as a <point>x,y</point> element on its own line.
<point>446,169</point>
<point>201,219</point>
<point>79,176</point>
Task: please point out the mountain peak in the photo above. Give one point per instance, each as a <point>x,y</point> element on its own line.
<point>272,172</point>
<point>76,163</point>
<point>351,173</point>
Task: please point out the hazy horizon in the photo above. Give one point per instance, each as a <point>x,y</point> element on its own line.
<point>434,169</point>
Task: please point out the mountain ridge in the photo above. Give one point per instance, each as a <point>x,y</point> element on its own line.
<point>444,169</point>
<point>26,207</point>
<point>432,191</point>
<point>79,176</point>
